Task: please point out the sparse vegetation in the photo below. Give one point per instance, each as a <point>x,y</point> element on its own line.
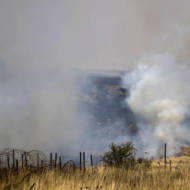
<point>114,174</point>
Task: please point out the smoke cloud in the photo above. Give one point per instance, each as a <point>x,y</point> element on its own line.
<point>37,109</point>
<point>42,42</point>
<point>159,95</point>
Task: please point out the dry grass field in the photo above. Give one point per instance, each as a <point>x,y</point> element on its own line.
<point>141,178</point>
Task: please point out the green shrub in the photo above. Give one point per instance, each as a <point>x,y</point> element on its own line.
<point>120,155</point>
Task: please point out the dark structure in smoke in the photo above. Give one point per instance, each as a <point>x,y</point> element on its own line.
<point>102,101</point>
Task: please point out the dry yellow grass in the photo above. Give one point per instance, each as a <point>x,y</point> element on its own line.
<point>155,178</point>
<point>175,162</point>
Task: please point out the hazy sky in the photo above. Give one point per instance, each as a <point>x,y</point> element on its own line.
<point>107,34</point>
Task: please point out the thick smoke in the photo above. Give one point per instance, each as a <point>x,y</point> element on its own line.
<point>41,41</point>
<point>159,95</point>
<point>37,109</point>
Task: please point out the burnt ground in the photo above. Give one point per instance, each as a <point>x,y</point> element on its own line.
<point>102,100</point>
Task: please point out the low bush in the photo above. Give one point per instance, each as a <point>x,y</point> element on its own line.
<point>120,155</point>
<point>123,156</point>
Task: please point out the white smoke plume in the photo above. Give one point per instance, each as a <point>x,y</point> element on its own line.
<point>159,95</point>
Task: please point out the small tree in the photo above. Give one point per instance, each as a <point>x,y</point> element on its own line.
<point>120,155</point>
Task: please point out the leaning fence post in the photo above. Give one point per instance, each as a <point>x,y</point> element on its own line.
<point>165,155</point>
<point>84,167</point>
<point>13,158</point>
<point>80,161</point>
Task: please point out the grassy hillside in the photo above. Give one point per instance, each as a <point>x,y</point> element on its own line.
<point>101,178</point>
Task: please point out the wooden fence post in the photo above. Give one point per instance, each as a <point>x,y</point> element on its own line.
<point>51,160</point>
<point>170,165</point>
<point>25,157</point>
<point>91,162</point>
<point>165,161</point>
<point>0,162</point>
<point>22,160</point>
<point>80,161</point>
<point>84,166</point>
<point>60,165</point>
<point>55,160</point>
<point>17,169</point>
